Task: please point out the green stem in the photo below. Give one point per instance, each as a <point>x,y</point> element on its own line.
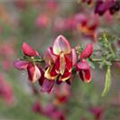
<point>100,60</point>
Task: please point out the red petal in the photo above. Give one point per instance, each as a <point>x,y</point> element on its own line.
<point>53,72</point>
<point>87,51</point>
<point>61,45</point>
<point>21,65</point>
<point>74,57</point>
<point>49,56</point>
<point>50,73</point>
<point>85,75</point>
<point>47,85</point>
<point>65,76</point>
<point>41,80</point>
<point>57,65</point>
<point>27,50</point>
<point>82,65</point>
<point>34,73</point>
<point>68,63</point>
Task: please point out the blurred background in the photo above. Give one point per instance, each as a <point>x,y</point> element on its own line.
<point>39,22</point>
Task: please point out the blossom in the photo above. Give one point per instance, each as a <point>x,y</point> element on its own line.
<point>51,5</point>
<point>82,66</point>
<point>59,60</point>
<point>8,48</point>
<point>33,69</point>
<point>42,21</point>
<point>62,94</point>
<point>87,25</point>
<point>6,91</point>
<point>97,112</point>
<point>109,5</point>
<point>37,107</point>
<point>65,24</point>
<point>52,112</point>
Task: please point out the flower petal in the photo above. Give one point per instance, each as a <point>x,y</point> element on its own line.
<point>74,57</point>
<point>41,80</point>
<point>57,65</point>
<point>102,7</point>
<point>50,73</point>
<point>21,65</point>
<point>61,45</point>
<point>68,63</point>
<point>49,56</point>
<point>87,51</point>
<point>47,86</point>
<point>82,65</point>
<point>27,50</point>
<point>34,73</point>
<point>53,72</point>
<point>85,75</point>
<point>62,64</point>
<point>37,107</point>
<point>65,76</point>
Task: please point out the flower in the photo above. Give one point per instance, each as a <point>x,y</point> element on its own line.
<point>52,112</point>
<point>109,5</point>
<point>42,21</point>
<point>59,60</point>
<point>6,91</point>
<point>62,94</point>
<point>65,24</point>
<point>87,25</point>
<point>82,67</point>
<point>33,69</point>
<point>37,107</point>
<point>97,112</point>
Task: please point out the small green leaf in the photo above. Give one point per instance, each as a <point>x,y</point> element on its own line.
<point>107,82</point>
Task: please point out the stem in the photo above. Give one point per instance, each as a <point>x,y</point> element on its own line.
<point>100,60</point>
<point>33,60</point>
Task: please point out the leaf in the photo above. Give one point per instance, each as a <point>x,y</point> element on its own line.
<point>107,82</point>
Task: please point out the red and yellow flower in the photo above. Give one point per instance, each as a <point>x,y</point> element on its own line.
<point>59,60</point>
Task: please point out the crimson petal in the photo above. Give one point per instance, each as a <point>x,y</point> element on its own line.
<point>74,57</point>
<point>21,65</point>
<point>49,56</point>
<point>85,75</point>
<point>27,50</point>
<point>41,80</point>
<point>68,63</point>
<point>82,65</point>
<point>34,72</point>
<point>47,86</point>
<point>66,75</point>
<point>87,51</point>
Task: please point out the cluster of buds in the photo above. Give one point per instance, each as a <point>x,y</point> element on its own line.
<point>60,63</point>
